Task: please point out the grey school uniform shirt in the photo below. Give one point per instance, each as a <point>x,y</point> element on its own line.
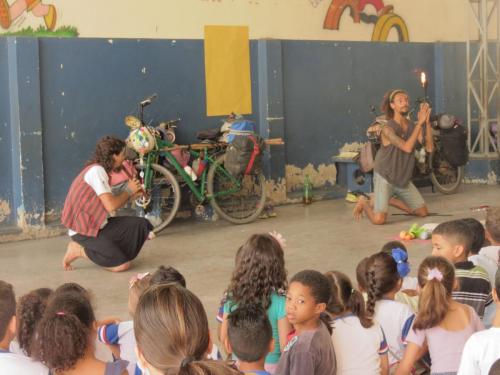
<point>310,353</point>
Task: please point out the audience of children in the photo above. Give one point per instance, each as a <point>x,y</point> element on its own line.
<point>317,324</point>
<point>453,241</point>
<point>359,342</point>
<point>442,325</point>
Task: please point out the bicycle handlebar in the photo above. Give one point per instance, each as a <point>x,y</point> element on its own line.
<point>148,100</point>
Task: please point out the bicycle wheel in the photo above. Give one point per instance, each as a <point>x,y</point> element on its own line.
<point>165,198</point>
<point>445,177</point>
<point>237,205</point>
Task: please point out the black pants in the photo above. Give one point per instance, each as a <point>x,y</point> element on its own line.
<point>118,242</point>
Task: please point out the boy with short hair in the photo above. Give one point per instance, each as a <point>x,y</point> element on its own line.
<point>453,240</point>
<point>482,349</point>
<point>250,338</point>
<point>11,363</point>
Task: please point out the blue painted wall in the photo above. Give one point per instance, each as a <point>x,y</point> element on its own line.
<point>329,87</point>
<point>5,139</point>
<point>314,94</point>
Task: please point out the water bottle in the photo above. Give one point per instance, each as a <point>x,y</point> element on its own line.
<point>307,194</point>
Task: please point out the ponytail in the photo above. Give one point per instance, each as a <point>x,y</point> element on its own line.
<point>62,336</point>
<point>29,312</point>
<point>436,277</point>
<point>346,298</point>
<point>207,367</point>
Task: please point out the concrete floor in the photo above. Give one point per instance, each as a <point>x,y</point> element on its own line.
<point>321,236</point>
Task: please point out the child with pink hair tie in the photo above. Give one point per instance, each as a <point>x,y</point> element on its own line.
<point>442,325</point>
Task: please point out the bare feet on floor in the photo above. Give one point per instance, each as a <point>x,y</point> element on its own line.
<point>73,252</point>
<point>359,208</point>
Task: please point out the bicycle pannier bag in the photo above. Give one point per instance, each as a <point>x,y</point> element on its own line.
<point>244,155</point>
<point>366,158</point>
<point>454,145</point>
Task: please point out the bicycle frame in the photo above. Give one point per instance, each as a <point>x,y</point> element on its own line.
<point>199,192</point>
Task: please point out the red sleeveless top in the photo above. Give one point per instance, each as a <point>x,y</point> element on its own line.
<point>83,211</point>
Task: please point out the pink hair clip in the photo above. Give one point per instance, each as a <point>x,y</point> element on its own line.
<point>434,274</point>
<point>60,313</point>
<point>279,237</point>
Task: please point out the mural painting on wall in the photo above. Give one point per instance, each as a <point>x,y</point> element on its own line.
<point>14,14</point>
<point>384,21</point>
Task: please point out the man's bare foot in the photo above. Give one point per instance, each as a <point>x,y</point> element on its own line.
<point>73,252</point>
<point>359,208</point>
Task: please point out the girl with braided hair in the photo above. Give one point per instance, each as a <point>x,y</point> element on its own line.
<point>383,282</point>
<point>259,278</point>
<point>359,342</point>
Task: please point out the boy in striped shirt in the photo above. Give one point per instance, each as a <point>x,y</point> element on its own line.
<point>453,240</point>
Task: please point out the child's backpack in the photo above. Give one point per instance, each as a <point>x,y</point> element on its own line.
<point>454,145</point>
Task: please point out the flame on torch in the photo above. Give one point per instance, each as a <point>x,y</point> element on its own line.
<point>423,79</point>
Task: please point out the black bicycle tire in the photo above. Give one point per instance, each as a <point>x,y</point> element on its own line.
<point>177,193</point>
<point>219,210</point>
<point>453,189</point>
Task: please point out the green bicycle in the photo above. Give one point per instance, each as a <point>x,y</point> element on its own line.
<point>237,199</point>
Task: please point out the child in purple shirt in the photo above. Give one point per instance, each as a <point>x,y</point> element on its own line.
<point>442,325</point>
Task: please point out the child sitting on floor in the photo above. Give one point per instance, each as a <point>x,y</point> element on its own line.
<point>250,338</point>
<point>310,349</point>
<point>260,278</point>
<point>395,318</point>
<point>119,336</point>
<point>453,240</point>
<point>442,324</point>
<point>64,338</point>
<point>12,363</point>
<point>483,348</point>
<point>408,293</point>
<point>359,342</point>
<point>171,330</point>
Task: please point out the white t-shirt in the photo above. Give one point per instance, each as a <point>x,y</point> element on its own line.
<point>487,263</point>
<point>11,363</point>
<point>492,252</point>
<point>396,319</point>
<point>98,180</point>
<point>481,350</point>
<point>357,349</point>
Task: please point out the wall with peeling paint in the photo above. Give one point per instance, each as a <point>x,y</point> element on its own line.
<point>6,215</point>
<point>90,85</point>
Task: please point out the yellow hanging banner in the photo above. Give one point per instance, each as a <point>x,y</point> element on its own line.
<point>227,70</point>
